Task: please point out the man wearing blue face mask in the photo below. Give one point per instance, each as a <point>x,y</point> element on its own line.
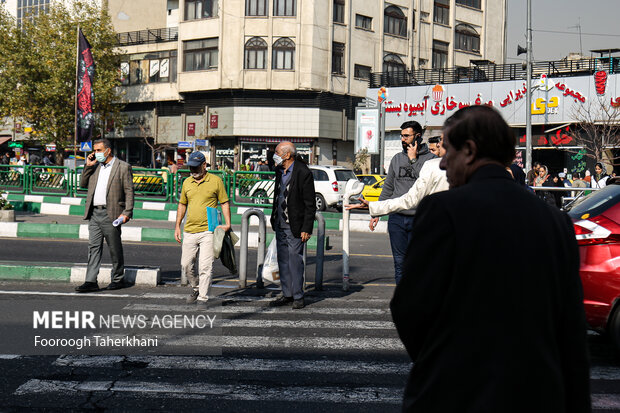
<point>109,201</point>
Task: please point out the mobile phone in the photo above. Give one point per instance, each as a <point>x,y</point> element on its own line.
<point>91,156</point>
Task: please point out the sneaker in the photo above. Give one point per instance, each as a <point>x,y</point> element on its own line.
<point>280,301</point>
<point>87,287</point>
<point>299,304</point>
<point>202,304</point>
<point>193,296</point>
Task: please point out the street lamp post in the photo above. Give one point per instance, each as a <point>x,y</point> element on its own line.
<point>528,93</point>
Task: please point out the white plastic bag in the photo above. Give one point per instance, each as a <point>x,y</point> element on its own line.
<point>271,272</point>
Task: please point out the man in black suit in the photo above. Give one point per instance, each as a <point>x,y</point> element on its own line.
<point>487,328</point>
<point>292,219</point>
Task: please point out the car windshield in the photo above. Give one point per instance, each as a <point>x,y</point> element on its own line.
<point>596,203</point>
<point>367,180</point>
<point>344,174</point>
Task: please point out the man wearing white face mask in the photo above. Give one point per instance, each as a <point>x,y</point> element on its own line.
<point>110,200</point>
<point>199,191</point>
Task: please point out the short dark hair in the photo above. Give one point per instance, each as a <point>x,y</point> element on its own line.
<point>486,128</point>
<point>417,128</point>
<point>434,139</point>
<point>576,175</point>
<point>106,143</point>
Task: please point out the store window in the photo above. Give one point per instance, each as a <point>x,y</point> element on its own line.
<point>200,54</point>
<point>466,38</point>
<point>256,53</point>
<point>283,54</point>
<point>200,9</point>
<point>395,21</point>
<point>441,12</point>
<point>143,68</point>
<point>256,7</point>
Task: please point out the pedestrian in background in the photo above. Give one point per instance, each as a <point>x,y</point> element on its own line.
<point>600,177</point>
<point>292,219</point>
<point>532,174</point>
<point>476,343</point>
<point>402,174</point>
<point>110,197</point>
<point>200,191</point>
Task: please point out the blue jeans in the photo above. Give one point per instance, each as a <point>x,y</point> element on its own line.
<point>399,228</point>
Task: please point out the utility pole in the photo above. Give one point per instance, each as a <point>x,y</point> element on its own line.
<point>528,97</point>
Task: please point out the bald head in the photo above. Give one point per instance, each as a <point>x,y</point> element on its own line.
<point>286,147</point>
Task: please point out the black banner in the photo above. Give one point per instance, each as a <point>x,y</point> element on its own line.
<point>85,93</point>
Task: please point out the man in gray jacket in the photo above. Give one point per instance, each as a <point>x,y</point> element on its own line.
<point>403,172</point>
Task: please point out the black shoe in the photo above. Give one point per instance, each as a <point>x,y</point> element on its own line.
<point>115,285</point>
<point>87,287</point>
<point>299,304</point>
<point>280,301</point>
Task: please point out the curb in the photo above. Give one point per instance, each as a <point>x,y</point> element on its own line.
<point>76,273</point>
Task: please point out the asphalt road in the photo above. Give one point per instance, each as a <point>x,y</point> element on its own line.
<point>340,353</point>
<point>371,259</point>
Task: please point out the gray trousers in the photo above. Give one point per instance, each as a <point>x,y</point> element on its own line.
<point>290,263</point>
<point>100,227</point>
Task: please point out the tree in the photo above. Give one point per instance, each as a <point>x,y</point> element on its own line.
<point>38,70</point>
<point>598,129</point>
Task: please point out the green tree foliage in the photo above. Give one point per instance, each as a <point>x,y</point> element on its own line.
<point>37,62</point>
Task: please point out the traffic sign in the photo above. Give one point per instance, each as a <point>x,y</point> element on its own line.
<point>86,146</point>
<point>201,142</point>
<point>185,144</point>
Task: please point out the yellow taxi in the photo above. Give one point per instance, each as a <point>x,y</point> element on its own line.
<point>372,190</point>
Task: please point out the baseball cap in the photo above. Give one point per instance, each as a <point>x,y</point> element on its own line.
<point>196,159</point>
<point>562,175</point>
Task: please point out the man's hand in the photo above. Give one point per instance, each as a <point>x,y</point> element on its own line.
<point>305,236</point>
<point>125,218</point>
<point>362,205</point>
<point>91,160</point>
<point>226,228</point>
<point>412,151</point>
<point>373,223</point>
<point>177,234</point>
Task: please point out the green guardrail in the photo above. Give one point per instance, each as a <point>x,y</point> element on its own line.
<point>244,188</point>
<point>253,188</point>
<point>13,179</point>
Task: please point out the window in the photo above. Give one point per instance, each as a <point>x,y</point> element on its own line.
<point>28,9</point>
<point>344,174</point>
<point>395,21</point>
<point>338,11</point>
<point>441,12</point>
<point>466,38</point>
<point>256,53</point>
<point>154,67</point>
<point>256,7</point>
<point>363,22</point>
<point>319,175</point>
<point>471,3</point>
<point>362,72</point>
<point>338,58</point>
<point>283,54</point>
<point>200,9</point>
<point>284,7</point>
<point>200,54</point>
<point>440,54</point>
<point>393,65</point>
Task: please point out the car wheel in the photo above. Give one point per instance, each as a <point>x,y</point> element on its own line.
<point>260,197</point>
<point>320,202</point>
<point>614,329</point>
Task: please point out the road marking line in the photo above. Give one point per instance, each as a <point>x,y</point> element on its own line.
<point>239,364</point>
<point>358,395</point>
<point>261,309</point>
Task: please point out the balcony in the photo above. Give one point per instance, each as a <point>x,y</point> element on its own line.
<point>169,34</point>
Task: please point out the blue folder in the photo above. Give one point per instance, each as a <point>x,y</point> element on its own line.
<point>213,218</point>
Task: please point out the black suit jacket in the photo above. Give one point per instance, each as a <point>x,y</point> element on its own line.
<point>300,202</point>
<point>492,324</point>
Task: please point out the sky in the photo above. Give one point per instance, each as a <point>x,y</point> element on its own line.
<point>600,17</point>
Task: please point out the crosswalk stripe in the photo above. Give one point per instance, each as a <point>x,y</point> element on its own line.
<point>263,310</point>
<point>344,325</point>
<point>239,364</point>
<point>200,390</point>
<point>606,401</point>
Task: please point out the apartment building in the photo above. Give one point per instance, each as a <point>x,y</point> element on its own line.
<point>235,77</point>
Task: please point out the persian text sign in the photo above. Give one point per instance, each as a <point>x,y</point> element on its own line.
<point>556,102</point>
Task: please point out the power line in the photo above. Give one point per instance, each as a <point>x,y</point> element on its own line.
<point>584,34</point>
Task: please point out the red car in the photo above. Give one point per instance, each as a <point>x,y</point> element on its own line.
<point>596,218</point>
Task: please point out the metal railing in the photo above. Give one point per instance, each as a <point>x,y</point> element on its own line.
<point>253,188</point>
<point>492,72</point>
<point>13,179</point>
<point>168,34</point>
<point>50,180</point>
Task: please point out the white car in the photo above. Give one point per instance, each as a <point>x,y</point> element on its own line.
<point>329,185</point>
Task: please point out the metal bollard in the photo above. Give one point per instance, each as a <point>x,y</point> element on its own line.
<point>320,252</point>
<point>352,188</point>
<point>262,240</point>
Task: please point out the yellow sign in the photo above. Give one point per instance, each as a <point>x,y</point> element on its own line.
<point>541,106</point>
